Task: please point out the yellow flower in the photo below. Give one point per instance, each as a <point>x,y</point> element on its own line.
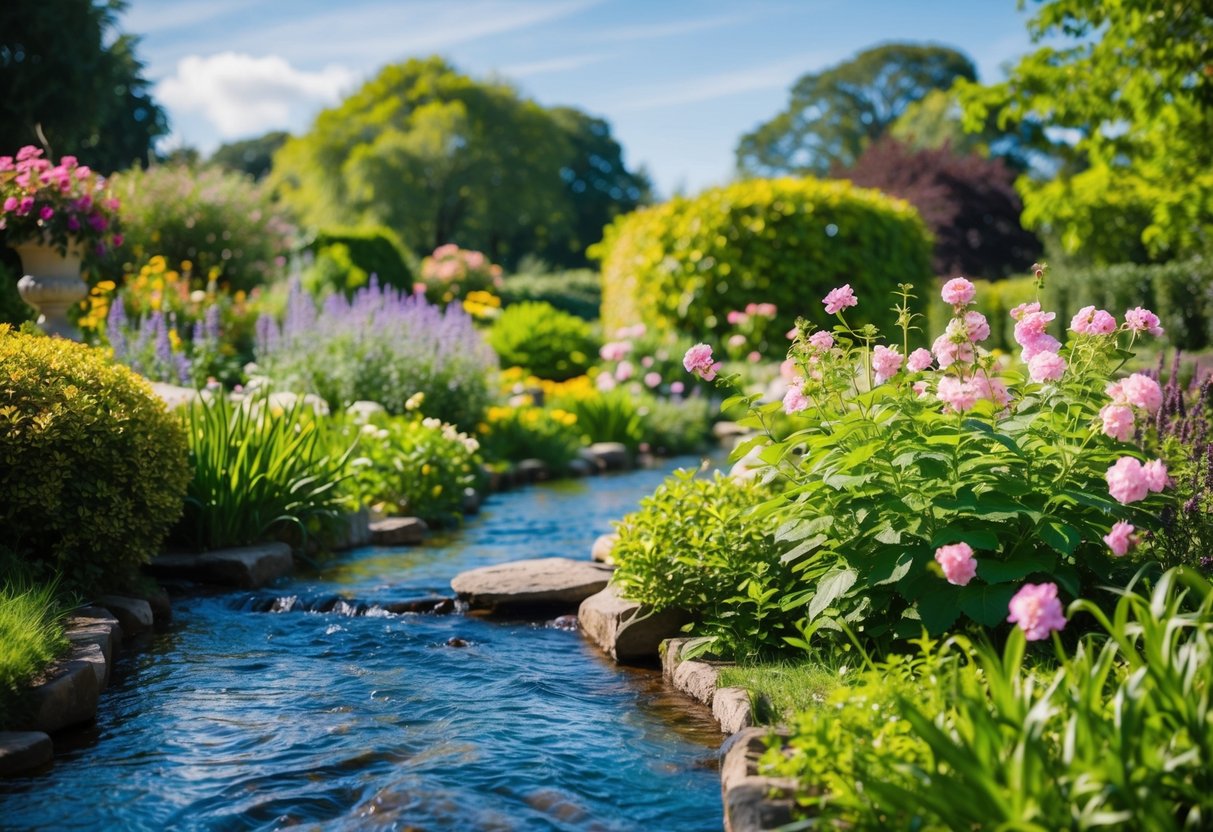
<point>174,340</point>
<point>425,470</point>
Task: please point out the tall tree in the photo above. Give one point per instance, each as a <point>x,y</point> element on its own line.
<point>252,156</point>
<point>70,81</point>
<point>834,114</point>
<point>1132,90</point>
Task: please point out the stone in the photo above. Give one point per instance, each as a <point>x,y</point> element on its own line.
<point>247,567</point>
<point>600,552</point>
<point>432,604</point>
<point>90,653</point>
<point>134,614</point>
<point>729,430</point>
<point>398,531</point>
<point>752,803</point>
<point>174,396</point>
<point>24,751</point>
<point>67,698</point>
<point>697,680</point>
<point>532,470</point>
<point>471,501</point>
<point>731,708</point>
<point>748,466</point>
<point>545,582</point>
<point>613,456</point>
<point>363,410</point>
<point>625,630</point>
<point>95,627</point>
<point>162,609</point>
<point>581,467</point>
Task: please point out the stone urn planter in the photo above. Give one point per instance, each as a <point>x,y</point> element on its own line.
<point>51,284</point>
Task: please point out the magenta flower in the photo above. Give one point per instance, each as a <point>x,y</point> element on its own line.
<point>957,561</point>
<point>795,400</point>
<point>956,394</point>
<point>919,360</point>
<point>698,360</point>
<point>1092,321</point>
<point>46,212</point>
<point>1140,391</point>
<point>6,163</point>
<point>1143,320</point>
<point>839,299</point>
<point>886,362</point>
<point>1037,611</point>
<point>1117,422</point>
<point>11,204</point>
<point>1120,540</point>
<point>821,340</point>
<point>958,292</point>
<point>1046,366</point>
<point>25,205</point>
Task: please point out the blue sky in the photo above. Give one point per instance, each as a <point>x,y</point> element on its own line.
<point>679,80</point>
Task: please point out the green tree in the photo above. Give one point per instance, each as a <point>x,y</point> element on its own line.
<point>439,157</point>
<point>252,156</point>
<point>1133,93</point>
<point>834,114</point>
<point>69,81</point>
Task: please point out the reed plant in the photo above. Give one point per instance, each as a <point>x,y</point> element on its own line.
<point>31,636</point>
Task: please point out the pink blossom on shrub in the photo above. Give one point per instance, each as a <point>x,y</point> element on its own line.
<point>794,400</point>
<point>957,561</point>
<point>993,389</point>
<point>1092,321</point>
<point>839,299</point>
<point>956,394</point>
<point>736,341</point>
<point>948,352</point>
<point>754,357</point>
<point>698,360</point>
<point>921,389</point>
<point>1046,366</point>
<point>677,388</point>
<point>1031,335</point>
<point>1143,320</point>
<point>1155,475</point>
<point>919,360</point>
<point>977,326</point>
<point>886,362</point>
<point>1117,422</point>
<point>958,292</point>
<point>735,317</point>
<point>787,370</point>
<point>791,333</point>
<point>763,310</point>
<point>1141,391</point>
<point>605,382</point>
<point>615,350</point>
<point>1121,538</point>
<point>647,361</point>
<point>821,340</point>
<point>1024,309</point>
<point>1127,481</point>
<point>623,371</point>
<point>652,379</point>
<point>1037,611</point>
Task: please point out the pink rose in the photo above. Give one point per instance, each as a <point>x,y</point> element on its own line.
<point>919,360</point>
<point>1092,321</point>
<point>957,561</point>
<point>1127,481</point>
<point>1143,320</point>
<point>839,299</point>
<point>1154,474</point>
<point>948,352</point>
<point>1046,366</point>
<point>1023,309</point>
<point>698,360</point>
<point>886,362</point>
<point>1037,611</point>
<point>821,340</point>
<point>736,341</point>
<point>652,379</point>
<point>1117,422</point>
<point>958,292</point>
<point>977,326</point>
<point>956,394</point>
<point>11,204</point>
<point>1121,538</point>
<point>795,400</point>
<point>1142,391</point>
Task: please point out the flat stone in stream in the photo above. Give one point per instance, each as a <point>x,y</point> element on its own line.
<point>248,567</point>
<point>22,751</point>
<point>68,698</point>
<point>134,614</point>
<point>542,583</point>
<point>398,531</point>
<point>625,630</point>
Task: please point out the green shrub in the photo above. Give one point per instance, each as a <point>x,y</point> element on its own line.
<point>1117,735</point>
<point>512,434</point>
<point>685,264</point>
<point>221,222</point>
<point>543,341</point>
<point>692,546</point>
<point>578,292</point>
<point>347,257</point>
<point>410,466</point>
<point>260,469</point>
<point>676,426</point>
<point>92,466</point>
<point>1180,293</point>
<point>31,636</point>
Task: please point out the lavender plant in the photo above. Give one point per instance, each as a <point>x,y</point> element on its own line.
<point>146,345</point>
<point>382,345</point>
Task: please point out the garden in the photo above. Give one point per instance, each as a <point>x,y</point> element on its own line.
<point>904,433</point>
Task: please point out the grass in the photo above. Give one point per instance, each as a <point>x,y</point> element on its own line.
<point>31,636</point>
<point>784,688</point>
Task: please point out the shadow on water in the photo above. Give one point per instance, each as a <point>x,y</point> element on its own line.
<point>337,713</point>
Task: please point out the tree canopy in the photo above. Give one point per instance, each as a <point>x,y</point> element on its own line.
<point>253,156</point>
<point>439,157</point>
<point>834,114</point>
<point>1132,93</point>
<point>68,81</point>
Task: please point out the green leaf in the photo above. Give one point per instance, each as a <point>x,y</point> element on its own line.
<point>1059,536</point>
<point>1000,572</point>
<point>987,605</point>
<point>804,547</point>
<point>979,539</point>
<point>830,589</point>
<point>939,610</point>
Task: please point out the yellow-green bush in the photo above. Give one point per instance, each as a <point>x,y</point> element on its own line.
<point>685,264</point>
<point>92,466</point>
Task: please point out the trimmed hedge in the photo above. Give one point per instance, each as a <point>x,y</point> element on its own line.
<point>374,250</point>
<point>685,264</point>
<point>543,341</point>
<point>578,291</point>
<point>92,467</point>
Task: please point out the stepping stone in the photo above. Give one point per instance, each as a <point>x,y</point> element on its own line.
<point>600,552</point>
<point>93,625</point>
<point>398,531</point>
<point>545,583</point>
<point>532,470</point>
<point>248,567</point>
<point>752,803</point>
<point>22,751</point>
<point>612,456</point>
<point>625,630</point>
<point>134,614</point>
<point>67,699</point>
<point>91,654</point>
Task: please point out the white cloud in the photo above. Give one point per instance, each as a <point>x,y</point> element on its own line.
<point>241,95</point>
<point>513,71</point>
<point>648,31</point>
<point>778,75</point>
<point>151,18</point>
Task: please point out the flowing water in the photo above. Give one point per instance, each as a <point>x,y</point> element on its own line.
<point>357,718</point>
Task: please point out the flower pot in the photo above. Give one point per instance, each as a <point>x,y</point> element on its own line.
<point>51,284</point>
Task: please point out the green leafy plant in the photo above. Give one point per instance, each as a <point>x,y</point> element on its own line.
<point>31,636</point>
<point>692,545</point>
<point>347,257</point>
<point>577,292</point>
<point>259,469</point>
<point>92,466</point>
<point>512,434</point>
<point>543,340</point>
<point>676,426</point>
<point>608,417</point>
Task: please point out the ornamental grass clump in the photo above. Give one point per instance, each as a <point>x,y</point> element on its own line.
<point>31,636</point>
<point>922,487</point>
<point>380,345</point>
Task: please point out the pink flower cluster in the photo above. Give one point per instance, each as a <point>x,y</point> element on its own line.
<point>1037,611</point>
<point>698,360</point>
<point>958,564</point>
<point>919,360</point>
<point>1138,391</point>
<point>1121,539</point>
<point>1092,321</point>
<point>1143,320</point>
<point>839,299</point>
<point>958,292</point>
<point>886,361</point>
<point>795,400</point>
<point>66,200</point>
<point>1030,330</point>
<point>752,310</point>
<point>1129,480</point>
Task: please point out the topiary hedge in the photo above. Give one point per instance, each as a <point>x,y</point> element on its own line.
<point>374,250</point>
<point>92,467</point>
<point>543,341</point>
<point>685,264</point>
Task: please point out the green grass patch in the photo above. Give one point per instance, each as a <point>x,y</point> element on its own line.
<point>31,636</point>
<point>781,689</point>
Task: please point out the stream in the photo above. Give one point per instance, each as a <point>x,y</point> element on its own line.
<point>356,718</point>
